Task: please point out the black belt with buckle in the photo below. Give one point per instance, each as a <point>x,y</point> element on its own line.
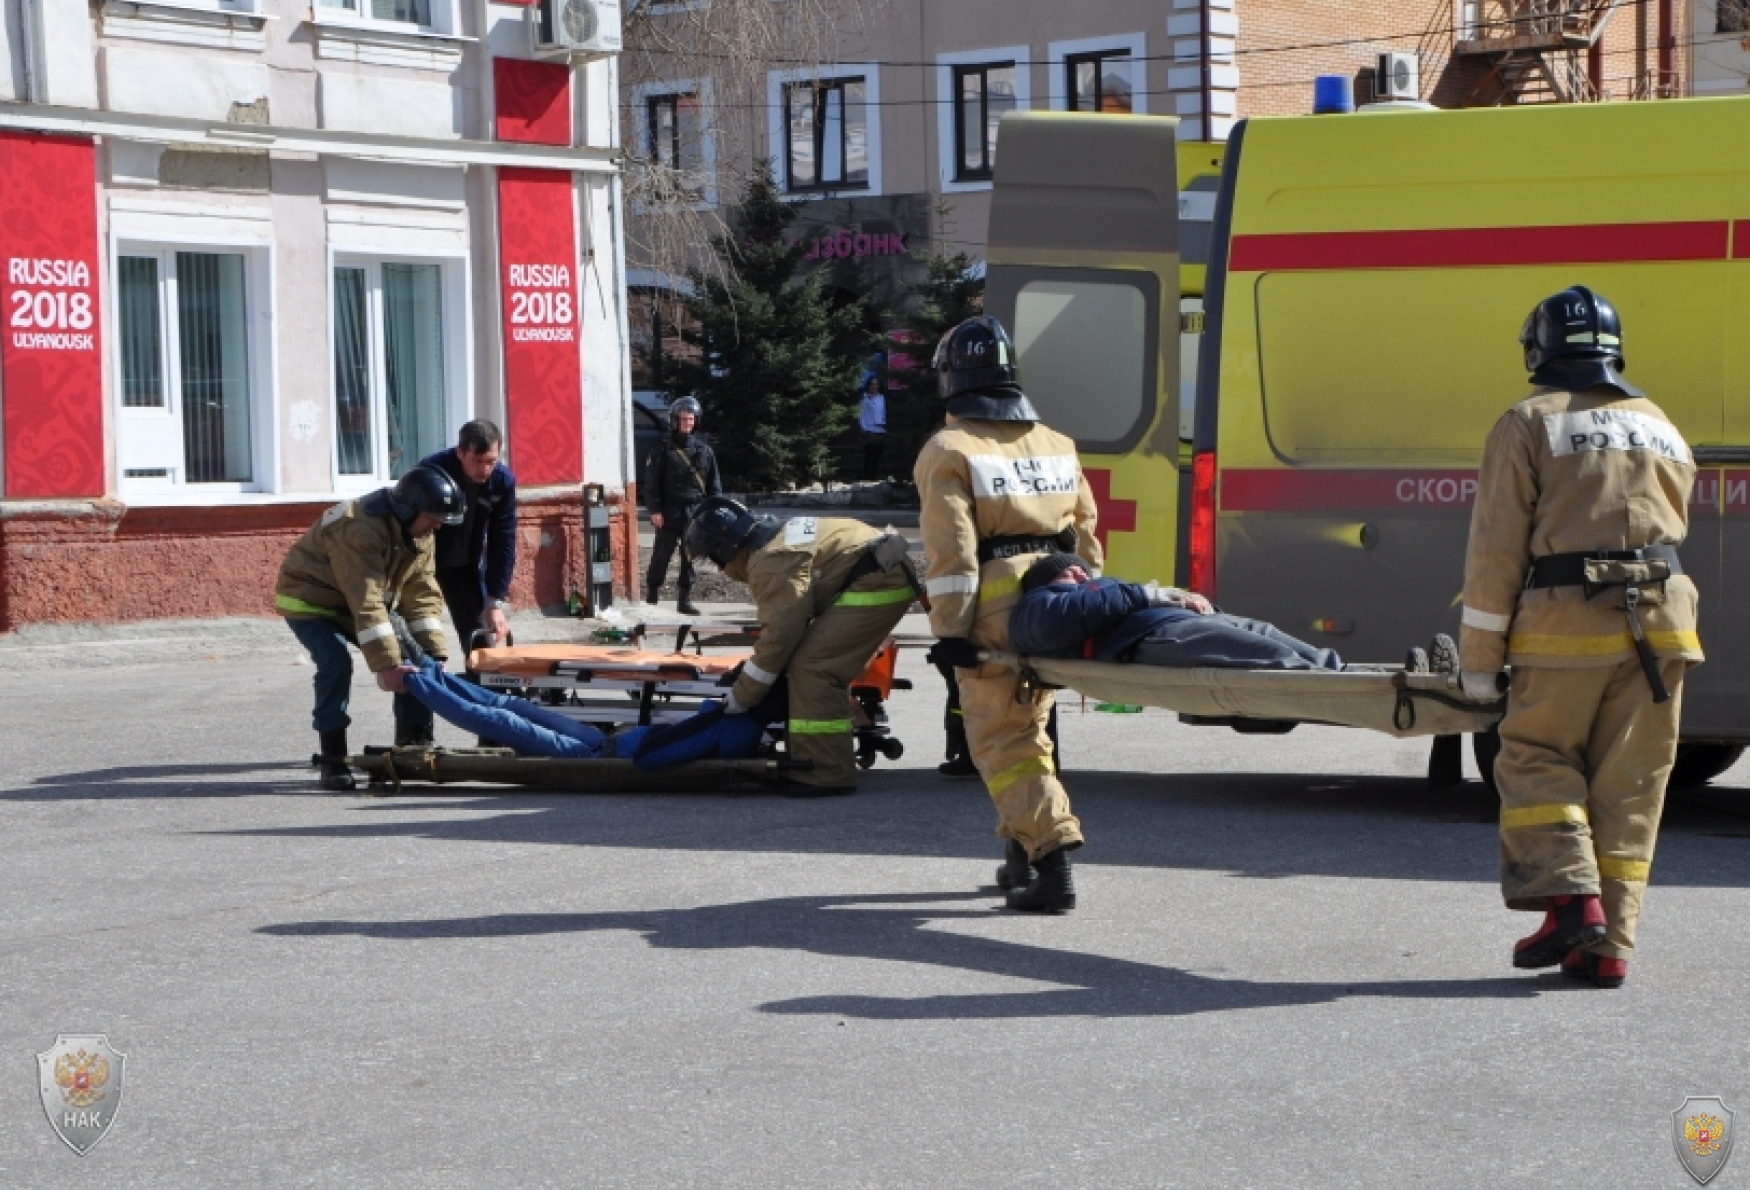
<point>1569,570</point>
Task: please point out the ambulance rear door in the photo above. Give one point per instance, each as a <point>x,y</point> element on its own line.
<point>1084,271</point>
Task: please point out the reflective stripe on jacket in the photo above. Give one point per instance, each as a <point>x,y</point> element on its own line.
<point>794,578</point>
<point>356,566</point>
<point>980,479</point>
<point>1572,473</point>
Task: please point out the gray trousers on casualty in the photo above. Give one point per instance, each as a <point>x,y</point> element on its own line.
<point>1228,642</point>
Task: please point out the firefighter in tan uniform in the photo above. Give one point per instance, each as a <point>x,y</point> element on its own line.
<point>364,561</point>
<point>1572,578</point>
<point>999,489</point>
<point>829,592</point>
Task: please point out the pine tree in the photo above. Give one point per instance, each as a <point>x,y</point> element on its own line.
<point>949,293</point>
<point>777,361</point>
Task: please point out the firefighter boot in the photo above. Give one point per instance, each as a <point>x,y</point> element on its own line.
<point>336,777</point>
<point>413,737</point>
<point>1014,872</point>
<point>1570,922</point>
<point>959,762</point>
<point>1600,972</point>
<point>1053,889</point>
<point>683,602</point>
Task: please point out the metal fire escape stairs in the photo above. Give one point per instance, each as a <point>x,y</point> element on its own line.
<point>1538,47</point>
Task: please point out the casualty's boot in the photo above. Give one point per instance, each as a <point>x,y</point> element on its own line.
<point>1015,871</point>
<point>1569,923</point>
<point>1442,655</point>
<point>336,777</point>
<point>1416,661</point>
<point>1053,889</point>
<point>683,602</point>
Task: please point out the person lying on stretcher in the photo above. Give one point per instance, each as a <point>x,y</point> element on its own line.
<point>530,729</point>
<point>1066,612</point>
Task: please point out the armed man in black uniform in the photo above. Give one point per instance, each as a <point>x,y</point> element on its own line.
<point>681,475</point>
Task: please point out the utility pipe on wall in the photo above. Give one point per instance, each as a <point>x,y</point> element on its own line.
<point>1667,45</point>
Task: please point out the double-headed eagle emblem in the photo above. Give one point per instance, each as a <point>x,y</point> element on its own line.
<point>1702,1134</point>
<point>81,1077</point>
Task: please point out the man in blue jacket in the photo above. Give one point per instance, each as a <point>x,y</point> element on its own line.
<point>475,560</point>
<point>1068,613</point>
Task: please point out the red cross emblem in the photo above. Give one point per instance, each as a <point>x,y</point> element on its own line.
<point>1116,516</point>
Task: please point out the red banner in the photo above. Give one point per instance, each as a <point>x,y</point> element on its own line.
<point>543,373</point>
<point>533,101</point>
<point>52,358</point>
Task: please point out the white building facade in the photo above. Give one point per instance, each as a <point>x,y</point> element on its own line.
<point>259,256</point>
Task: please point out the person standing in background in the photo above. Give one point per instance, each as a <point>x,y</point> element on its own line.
<point>681,475</point>
<point>872,420</point>
<point>476,559</point>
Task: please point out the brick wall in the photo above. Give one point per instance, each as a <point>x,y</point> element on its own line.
<point>101,561</point>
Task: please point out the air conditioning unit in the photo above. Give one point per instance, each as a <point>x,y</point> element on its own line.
<point>578,28</point>
<point>1399,76</point>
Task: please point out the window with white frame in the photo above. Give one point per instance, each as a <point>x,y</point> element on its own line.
<point>827,139</point>
<point>389,367</point>
<point>187,408</point>
<point>1099,81</point>
<point>983,94</point>
<point>405,16</point>
<point>674,124</point>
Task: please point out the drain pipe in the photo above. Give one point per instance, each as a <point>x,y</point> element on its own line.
<point>36,56</point>
<point>1667,42</point>
<point>1208,81</point>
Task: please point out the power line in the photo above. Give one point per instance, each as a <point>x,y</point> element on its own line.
<point>1296,47</point>
<point>1649,51</point>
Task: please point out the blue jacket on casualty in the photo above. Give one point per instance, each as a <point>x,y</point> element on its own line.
<point>1061,619</point>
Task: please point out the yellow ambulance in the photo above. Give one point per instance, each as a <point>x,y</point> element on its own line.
<point>1368,277</point>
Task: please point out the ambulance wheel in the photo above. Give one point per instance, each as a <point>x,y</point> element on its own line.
<point>1697,764</point>
<point>891,748</point>
<point>1485,747</point>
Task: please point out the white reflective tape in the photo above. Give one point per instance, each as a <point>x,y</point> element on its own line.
<point>799,530</point>
<point>1613,429</point>
<point>996,476</point>
<point>428,624</point>
<point>1487,621</point>
<point>335,513</point>
<point>367,635</point>
<point>953,584</point>
<point>750,670</point>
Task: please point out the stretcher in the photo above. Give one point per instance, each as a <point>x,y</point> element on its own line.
<point>390,768</point>
<point>607,686</point>
<point>1264,701</point>
<point>614,686</point>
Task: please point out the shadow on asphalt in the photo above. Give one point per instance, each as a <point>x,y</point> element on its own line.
<point>896,928</point>
<point>169,780</point>
<point>1255,826</point>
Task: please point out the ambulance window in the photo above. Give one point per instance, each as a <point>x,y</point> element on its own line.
<point>1085,350</point>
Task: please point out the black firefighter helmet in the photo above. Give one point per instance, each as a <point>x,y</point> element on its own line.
<point>427,489</point>
<point>1573,341</point>
<point>722,528</point>
<point>977,374</point>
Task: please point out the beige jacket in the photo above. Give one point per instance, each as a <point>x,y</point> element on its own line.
<point>1569,473</point>
<point>982,479</point>
<point>355,568</point>
<point>794,578</point>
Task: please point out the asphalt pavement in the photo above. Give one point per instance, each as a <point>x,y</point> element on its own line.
<point>1289,967</point>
